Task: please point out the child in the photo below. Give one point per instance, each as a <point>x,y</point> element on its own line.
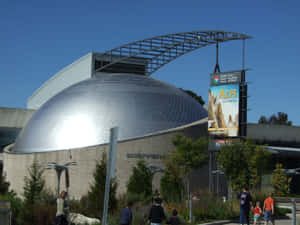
<point>257,213</point>
<point>174,220</point>
<point>269,209</point>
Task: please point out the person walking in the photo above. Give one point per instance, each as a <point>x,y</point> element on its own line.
<point>126,215</point>
<point>174,220</point>
<point>269,209</point>
<point>245,206</point>
<point>257,213</point>
<point>61,218</point>
<point>157,214</point>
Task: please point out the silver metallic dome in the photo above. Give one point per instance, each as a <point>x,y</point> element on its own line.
<point>83,114</point>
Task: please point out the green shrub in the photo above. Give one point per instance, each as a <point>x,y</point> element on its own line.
<point>280,181</point>
<point>34,185</point>
<point>171,187</point>
<point>44,214</point>
<point>281,211</point>
<point>140,182</point>
<point>95,198</point>
<point>206,209</point>
<point>16,206</point>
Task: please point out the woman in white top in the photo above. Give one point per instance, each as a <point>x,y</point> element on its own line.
<point>60,218</point>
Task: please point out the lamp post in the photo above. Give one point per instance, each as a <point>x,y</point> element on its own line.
<point>59,169</point>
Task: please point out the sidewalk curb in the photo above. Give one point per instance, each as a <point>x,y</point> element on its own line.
<point>219,222</point>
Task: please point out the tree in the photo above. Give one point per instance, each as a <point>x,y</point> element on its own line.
<point>243,164</point>
<point>171,183</point>
<point>280,181</point>
<point>263,120</point>
<point>280,119</point>
<point>97,190</point>
<point>34,185</point>
<point>195,96</point>
<point>140,182</point>
<point>188,154</point>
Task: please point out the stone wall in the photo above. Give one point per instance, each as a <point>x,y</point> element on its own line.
<point>151,149</point>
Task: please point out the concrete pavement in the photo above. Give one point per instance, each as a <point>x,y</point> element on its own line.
<point>286,221</point>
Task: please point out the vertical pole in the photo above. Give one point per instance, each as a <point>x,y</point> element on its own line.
<point>209,172</point>
<point>211,148</point>
<point>191,207</point>
<point>243,55</point>
<point>109,170</point>
<point>217,67</point>
<point>218,173</point>
<point>67,197</point>
<point>58,173</point>
<point>293,211</point>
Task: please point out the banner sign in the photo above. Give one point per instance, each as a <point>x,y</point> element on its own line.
<point>233,77</point>
<point>223,110</point>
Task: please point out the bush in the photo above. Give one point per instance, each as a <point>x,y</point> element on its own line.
<point>95,198</point>
<point>280,181</point>
<point>16,206</point>
<point>44,214</point>
<point>34,185</point>
<point>140,182</point>
<point>171,187</point>
<point>208,208</point>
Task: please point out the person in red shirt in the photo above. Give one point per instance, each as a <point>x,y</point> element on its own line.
<point>257,213</point>
<point>269,209</point>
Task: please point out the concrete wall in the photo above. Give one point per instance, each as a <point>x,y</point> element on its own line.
<point>14,118</point>
<point>78,71</point>
<point>150,148</point>
<point>278,133</point>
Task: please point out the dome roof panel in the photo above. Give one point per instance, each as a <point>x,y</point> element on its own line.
<point>83,114</point>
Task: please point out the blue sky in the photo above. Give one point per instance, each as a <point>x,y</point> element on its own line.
<point>38,38</point>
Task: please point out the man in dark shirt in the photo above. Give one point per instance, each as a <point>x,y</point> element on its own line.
<point>245,205</point>
<point>126,215</point>
<point>157,214</point>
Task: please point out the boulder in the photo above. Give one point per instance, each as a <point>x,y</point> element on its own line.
<point>79,219</point>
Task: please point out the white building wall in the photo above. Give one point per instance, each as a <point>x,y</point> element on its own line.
<point>78,71</point>
<point>14,118</point>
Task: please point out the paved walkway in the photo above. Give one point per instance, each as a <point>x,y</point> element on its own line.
<point>278,221</point>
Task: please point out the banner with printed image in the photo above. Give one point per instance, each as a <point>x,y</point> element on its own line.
<point>223,110</point>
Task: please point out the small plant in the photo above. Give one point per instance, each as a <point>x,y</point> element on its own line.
<point>95,197</point>
<point>280,181</point>
<point>16,206</point>
<point>243,164</point>
<point>140,182</point>
<point>34,185</point>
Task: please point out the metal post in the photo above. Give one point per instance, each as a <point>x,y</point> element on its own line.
<point>209,172</point>
<point>191,208</point>
<point>243,55</point>
<point>293,211</point>
<point>67,197</point>
<point>109,170</point>
<point>218,174</point>
<point>58,173</point>
<point>211,148</point>
<point>217,67</point>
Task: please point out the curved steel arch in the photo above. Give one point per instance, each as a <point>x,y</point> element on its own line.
<point>160,50</point>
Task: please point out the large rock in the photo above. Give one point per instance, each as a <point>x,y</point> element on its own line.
<point>79,219</point>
